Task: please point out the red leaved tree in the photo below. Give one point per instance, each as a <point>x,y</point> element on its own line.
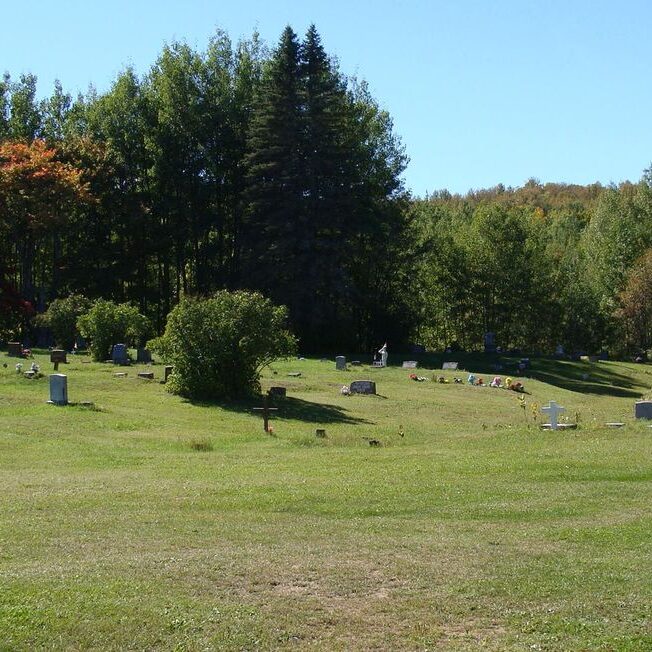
<point>38,192</point>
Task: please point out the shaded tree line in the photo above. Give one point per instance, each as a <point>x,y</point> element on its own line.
<point>241,167</point>
<point>235,167</point>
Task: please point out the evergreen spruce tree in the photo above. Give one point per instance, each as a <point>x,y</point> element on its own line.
<point>329,201</point>
<point>274,250</point>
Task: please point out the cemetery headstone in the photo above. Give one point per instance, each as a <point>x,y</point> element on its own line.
<point>450,365</point>
<point>119,354</point>
<point>643,410</point>
<point>143,355</point>
<point>489,342</point>
<point>147,375</point>
<point>265,412</point>
<point>553,410</point>
<point>410,364</point>
<point>58,355</point>
<point>14,349</point>
<point>340,363</point>
<point>320,432</point>
<point>277,391</point>
<point>58,389</point>
<point>363,387</point>
<point>167,371</point>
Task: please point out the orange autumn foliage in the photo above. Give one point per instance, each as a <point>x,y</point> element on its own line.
<point>37,190</point>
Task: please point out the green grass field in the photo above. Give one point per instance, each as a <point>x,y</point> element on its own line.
<point>149,522</point>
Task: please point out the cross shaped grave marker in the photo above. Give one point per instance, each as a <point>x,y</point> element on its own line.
<point>265,410</point>
<point>554,411</point>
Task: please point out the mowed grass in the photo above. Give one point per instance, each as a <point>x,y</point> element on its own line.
<point>148,522</point>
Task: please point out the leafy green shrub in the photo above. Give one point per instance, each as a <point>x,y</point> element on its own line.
<point>61,318</point>
<point>108,323</point>
<point>219,345</point>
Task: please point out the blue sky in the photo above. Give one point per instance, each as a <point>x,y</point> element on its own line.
<point>480,92</point>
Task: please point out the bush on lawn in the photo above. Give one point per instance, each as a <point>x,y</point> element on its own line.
<point>61,318</point>
<point>108,323</point>
<point>219,345</point>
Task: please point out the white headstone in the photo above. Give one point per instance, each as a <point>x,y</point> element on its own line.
<point>340,363</point>
<point>554,411</point>
<point>450,365</point>
<point>643,410</point>
<point>409,364</point>
<point>59,389</point>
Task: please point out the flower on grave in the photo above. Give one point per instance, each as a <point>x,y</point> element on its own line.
<point>19,367</point>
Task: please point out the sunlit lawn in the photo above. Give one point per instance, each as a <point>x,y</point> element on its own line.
<point>147,522</point>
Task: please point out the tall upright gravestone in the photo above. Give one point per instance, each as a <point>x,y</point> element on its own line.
<point>143,355</point>
<point>119,354</point>
<point>58,389</point>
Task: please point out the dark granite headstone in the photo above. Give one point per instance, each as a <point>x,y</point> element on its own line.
<point>143,355</point>
<point>643,410</point>
<point>58,355</point>
<point>119,354</point>
<point>363,387</point>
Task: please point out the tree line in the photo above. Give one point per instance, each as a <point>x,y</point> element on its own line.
<point>236,167</point>
<point>244,167</point>
<point>539,266</point>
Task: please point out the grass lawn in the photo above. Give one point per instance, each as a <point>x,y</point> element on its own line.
<point>149,522</point>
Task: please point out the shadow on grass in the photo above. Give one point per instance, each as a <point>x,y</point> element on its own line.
<point>577,376</point>
<point>586,378</point>
<point>291,408</point>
